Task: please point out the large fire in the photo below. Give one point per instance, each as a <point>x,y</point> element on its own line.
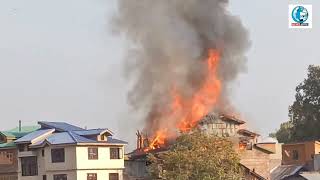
<point>187,112</point>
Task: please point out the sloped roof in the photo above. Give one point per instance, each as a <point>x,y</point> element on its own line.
<point>311,175</point>
<point>7,145</point>
<point>73,138</point>
<point>247,132</point>
<point>67,138</point>
<point>285,171</point>
<point>115,141</point>
<point>25,129</point>
<point>59,126</point>
<point>31,136</point>
<point>93,132</point>
<point>16,133</point>
<point>225,117</point>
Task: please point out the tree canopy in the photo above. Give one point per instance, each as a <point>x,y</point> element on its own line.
<point>197,156</point>
<point>305,111</point>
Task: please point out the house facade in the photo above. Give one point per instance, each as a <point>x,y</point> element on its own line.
<point>60,151</point>
<point>258,157</point>
<point>300,153</point>
<point>9,152</point>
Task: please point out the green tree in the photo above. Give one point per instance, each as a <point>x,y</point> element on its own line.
<point>196,156</point>
<point>284,134</point>
<point>304,112</point>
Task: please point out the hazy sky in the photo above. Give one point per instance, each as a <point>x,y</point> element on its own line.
<point>59,61</point>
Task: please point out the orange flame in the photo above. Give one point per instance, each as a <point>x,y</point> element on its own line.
<point>189,111</point>
<point>158,140</point>
<point>205,98</point>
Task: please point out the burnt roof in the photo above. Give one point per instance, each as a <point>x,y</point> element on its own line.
<point>225,117</point>
<point>247,132</point>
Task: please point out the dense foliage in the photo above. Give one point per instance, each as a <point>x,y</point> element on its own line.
<point>304,112</point>
<point>197,156</point>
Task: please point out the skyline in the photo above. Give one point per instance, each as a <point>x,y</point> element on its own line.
<point>60,61</point>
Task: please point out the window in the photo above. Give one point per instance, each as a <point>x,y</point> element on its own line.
<point>44,177</point>
<point>102,137</point>
<point>57,155</point>
<point>42,152</point>
<point>113,176</point>
<point>60,177</point>
<point>92,153</point>
<point>21,148</point>
<point>295,155</point>
<point>29,166</point>
<point>91,176</point>
<point>6,158</point>
<point>115,153</point>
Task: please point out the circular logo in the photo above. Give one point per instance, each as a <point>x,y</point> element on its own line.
<point>300,14</point>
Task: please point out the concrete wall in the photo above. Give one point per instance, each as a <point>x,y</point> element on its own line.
<point>70,159</point>
<point>287,154</point>
<point>8,168</point>
<point>257,160</point>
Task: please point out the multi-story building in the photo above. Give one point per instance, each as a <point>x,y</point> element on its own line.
<point>300,160</point>
<point>258,157</point>
<point>60,151</point>
<point>8,151</point>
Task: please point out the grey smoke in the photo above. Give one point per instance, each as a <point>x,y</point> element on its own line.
<point>170,39</point>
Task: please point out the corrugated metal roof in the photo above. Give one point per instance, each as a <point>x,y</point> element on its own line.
<point>67,134</point>
<point>16,133</point>
<point>92,132</point>
<point>25,129</point>
<point>285,171</point>
<point>311,175</point>
<point>115,141</point>
<point>7,145</point>
<point>59,126</point>
<point>67,138</point>
<point>31,136</point>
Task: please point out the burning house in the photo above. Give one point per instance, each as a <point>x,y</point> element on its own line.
<point>182,61</point>
<point>258,157</point>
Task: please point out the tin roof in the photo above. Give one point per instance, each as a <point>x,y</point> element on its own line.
<point>32,136</point>
<point>285,171</point>
<point>59,126</point>
<point>93,132</point>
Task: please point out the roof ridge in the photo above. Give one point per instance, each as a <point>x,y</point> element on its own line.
<point>72,135</point>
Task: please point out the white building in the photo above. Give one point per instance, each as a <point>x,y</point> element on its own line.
<point>60,151</point>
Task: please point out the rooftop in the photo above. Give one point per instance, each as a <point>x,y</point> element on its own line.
<point>61,133</point>
<point>59,126</point>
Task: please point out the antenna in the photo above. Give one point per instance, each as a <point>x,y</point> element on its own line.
<point>19,125</point>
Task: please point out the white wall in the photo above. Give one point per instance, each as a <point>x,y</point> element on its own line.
<point>103,162</point>
<point>76,164</point>
<point>101,174</point>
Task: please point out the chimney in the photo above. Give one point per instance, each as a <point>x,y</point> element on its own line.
<point>19,125</point>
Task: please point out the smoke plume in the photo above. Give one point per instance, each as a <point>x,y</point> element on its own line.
<point>169,42</point>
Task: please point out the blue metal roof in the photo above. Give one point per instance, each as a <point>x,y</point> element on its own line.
<point>67,138</point>
<point>64,133</point>
<point>92,132</point>
<point>59,126</point>
<point>31,136</point>
<point>115,141</point>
